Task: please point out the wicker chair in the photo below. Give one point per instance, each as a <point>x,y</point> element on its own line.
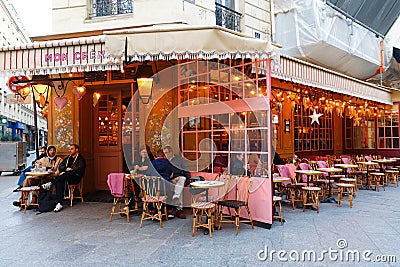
<point>240,201</point>
<point>153,193</point>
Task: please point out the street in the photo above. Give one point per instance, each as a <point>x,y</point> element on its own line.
<point>84,236</point>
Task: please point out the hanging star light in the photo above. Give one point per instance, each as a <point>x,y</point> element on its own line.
<point>315,117</point>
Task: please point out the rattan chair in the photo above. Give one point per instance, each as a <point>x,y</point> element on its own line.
<point>236,205</point>
<point>153,193</point>
<point>71,188</point>
<point>117,184</point>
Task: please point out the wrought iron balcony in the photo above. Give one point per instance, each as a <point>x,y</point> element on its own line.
<point>227,17</point>
<point>101,8</point>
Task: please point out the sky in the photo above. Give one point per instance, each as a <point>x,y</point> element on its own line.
<point>35,15</point>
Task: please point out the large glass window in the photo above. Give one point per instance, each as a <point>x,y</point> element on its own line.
<point>388,128</point>
<point>360,132</point>
<point>312,137</point>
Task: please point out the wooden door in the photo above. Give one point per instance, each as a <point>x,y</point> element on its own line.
<point>107,120</point>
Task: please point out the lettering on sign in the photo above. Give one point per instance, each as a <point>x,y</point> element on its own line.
<point>60,57</point>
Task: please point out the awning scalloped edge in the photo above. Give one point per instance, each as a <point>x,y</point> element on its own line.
<point>202,55</point>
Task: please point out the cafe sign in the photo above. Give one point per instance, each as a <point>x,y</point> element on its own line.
<point>61,56</point>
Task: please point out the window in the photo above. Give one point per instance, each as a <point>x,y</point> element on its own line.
<point>360,132</point>
<point>226,16</point>
<point>312,137</point>
<point>388,128</point>
<point>101,8</point>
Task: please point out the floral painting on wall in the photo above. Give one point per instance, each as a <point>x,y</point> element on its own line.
<point>63,125</point>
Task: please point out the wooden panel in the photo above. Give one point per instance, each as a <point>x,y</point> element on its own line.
<point>106,163</point>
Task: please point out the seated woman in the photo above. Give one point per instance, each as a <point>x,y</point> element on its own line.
<point>236,165</point>
<point>141,165</point>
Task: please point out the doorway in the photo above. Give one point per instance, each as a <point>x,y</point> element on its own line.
<point>108,116</point>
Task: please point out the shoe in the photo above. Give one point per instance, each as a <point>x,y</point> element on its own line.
<point>17,189</point>
<point>180,214</point>
<point>58,207</point>
<point>47,186</point>
<point>17,204</point>
<point>170,214</point>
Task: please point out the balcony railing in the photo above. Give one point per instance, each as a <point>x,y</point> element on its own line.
<point>227,17</point>
<point>101,8</point>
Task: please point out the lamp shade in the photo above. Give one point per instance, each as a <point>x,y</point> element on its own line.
<point>41,93</point>
<point>145,87</point>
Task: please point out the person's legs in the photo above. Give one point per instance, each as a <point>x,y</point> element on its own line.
<point>22,177</point>
<point>179,184</point>
<point>59,183</point>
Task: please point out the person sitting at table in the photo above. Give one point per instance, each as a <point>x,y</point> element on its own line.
<point>180,177</point>
<point>236,164</point>
<point>51,163</point>
<point>140,166</point>
<point>22,177</point>
<point>160,166</point>
<point>72,169</point>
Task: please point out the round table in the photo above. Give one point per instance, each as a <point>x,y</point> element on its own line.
<point>39,175</point>
<point>278,180</point>
<point>207,185</point>
<point>329,198</point>
<point>309,173</point>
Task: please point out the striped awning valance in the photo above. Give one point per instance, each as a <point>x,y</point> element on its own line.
<point>60,56</point>
<point>298,71</point>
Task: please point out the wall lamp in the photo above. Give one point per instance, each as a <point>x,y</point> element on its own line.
<point>144,81</point>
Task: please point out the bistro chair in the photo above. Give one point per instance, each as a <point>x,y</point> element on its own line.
<point>29,197</point>
<point>377,180</point>
<point>392,176</point>
<point>241,201</point>
<point>202,210</point>
<point>277,202</point>
<point>292,188</point>
<point>310,196</point>
<point>117,184</point>
<point>71,188</point>
<point>345,189</point>
<point>154,194</point>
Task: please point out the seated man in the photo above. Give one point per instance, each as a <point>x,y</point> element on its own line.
<point>180,177</point>
<point>72,169</point>
<point>22,177</point>
<point>51,162</point>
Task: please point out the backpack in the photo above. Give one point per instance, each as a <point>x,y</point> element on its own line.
<point>46,201</point>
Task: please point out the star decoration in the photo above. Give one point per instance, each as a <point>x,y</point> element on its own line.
<point>356,121</point>
<point>315,117</point>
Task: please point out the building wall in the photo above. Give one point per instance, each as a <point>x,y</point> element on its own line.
<point>12,32</point>
<point>73,16</point>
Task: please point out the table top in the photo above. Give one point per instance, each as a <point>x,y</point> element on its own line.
<point>38,173</point>
<point>367,162</point>
<point>280,179</point>
<point>309,172</point>
<point>384,160</point>
<point>207,184</point>
<point>345,166</point>
<point>330,169</point>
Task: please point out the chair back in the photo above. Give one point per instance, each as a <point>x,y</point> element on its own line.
<point>322,164</point>
<point>284,171</point>
<point>153,186</point>
<point>223,191</point>
<point>116,183</point>
<point>346,160</point>
<point>304,166</point>
<point>243,188</point>
<point>368,158</point>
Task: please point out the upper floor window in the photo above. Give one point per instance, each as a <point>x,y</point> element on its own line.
<point>101,8</point>
<point>226,16</point>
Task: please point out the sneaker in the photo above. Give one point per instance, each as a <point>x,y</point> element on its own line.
<point>17,203</point>
<point>58,207</point>
<point>180,214</point>
<point>47,186</point>
<point>17,189</point>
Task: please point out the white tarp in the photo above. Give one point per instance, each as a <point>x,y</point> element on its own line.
<point>311,30</point>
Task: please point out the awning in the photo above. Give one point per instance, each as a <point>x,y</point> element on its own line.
<point>178,41</point>
<point>52,57</point>
<point>298,71</point>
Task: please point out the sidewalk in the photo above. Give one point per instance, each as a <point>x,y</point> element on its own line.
<point>84,236</point>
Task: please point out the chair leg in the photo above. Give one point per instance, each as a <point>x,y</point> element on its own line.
<point>249,214</point>
<point>71,195</point>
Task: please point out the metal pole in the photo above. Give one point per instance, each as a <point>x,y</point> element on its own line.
<point>36,125</point>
